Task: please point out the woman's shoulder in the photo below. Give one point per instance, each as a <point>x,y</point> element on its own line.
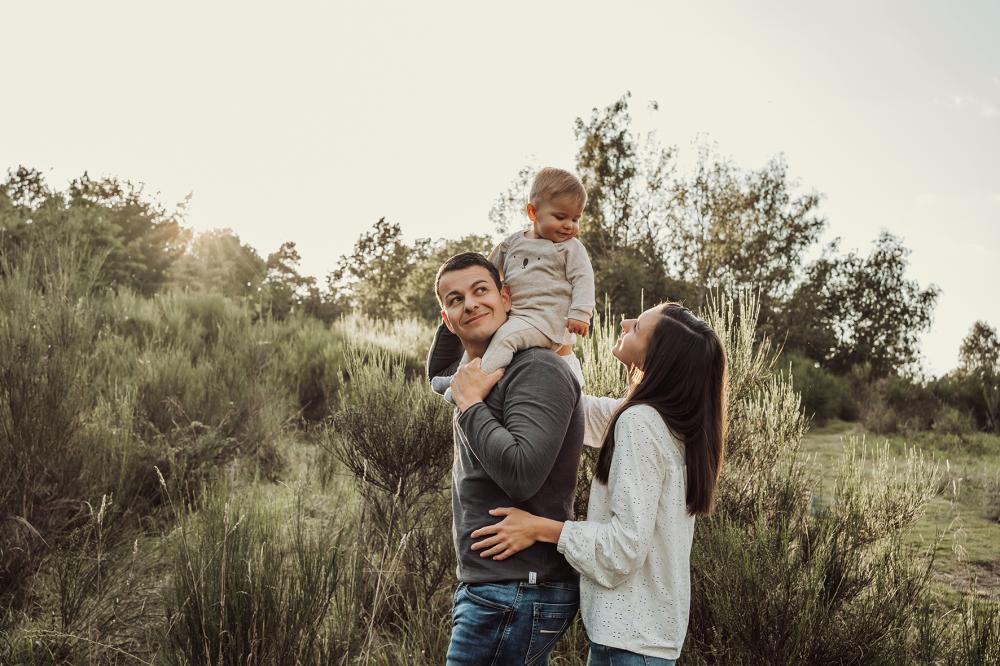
<point>645,422</point>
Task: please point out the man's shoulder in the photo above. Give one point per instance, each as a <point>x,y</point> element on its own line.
<point>539,362</point>
<point>537,356</point>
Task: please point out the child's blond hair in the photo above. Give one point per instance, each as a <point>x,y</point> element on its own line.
<point>551,183</point>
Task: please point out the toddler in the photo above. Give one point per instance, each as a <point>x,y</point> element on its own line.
<point>549,275</point>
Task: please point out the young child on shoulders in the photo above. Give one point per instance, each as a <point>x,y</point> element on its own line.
<point>549,275</point>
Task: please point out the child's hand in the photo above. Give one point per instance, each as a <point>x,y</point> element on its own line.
<point>577,326</point>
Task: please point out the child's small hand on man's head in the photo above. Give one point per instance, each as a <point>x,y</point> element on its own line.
<point>577,326</point>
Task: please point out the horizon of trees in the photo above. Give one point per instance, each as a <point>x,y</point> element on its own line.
<point>654,232</point>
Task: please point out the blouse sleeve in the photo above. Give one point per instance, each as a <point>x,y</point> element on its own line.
<point>597,413</point>
<point>609,553</point>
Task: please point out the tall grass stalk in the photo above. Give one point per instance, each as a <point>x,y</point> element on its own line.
<point>248,586</point>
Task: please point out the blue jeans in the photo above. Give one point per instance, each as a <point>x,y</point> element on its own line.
<point>509,623</point>
<point>603,655</point>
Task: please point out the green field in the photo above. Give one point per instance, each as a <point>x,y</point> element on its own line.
<point>962,523</point>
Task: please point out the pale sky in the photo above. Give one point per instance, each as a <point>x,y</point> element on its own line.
<point>309,121</point>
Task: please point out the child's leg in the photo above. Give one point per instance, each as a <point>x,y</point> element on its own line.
<point>514,336</point>
<point>574,365</point>
<point>442,385</point>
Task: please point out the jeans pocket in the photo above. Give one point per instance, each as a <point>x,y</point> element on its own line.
<point>497,597</point>
<point>548,623</point>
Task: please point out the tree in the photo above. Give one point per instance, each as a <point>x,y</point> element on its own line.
<point>680,235</point>
<point>627,194</point>
<point>980,350</point>
<point>133,237</point>
<point>218,261</point>
<point>150,238</point>
<point>284,288</point>
<point>729,227</point>
<point>855,310</point>
<point>980,361</point>
<point>372,278</point>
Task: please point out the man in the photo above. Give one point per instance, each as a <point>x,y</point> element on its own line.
<point>515,445</point>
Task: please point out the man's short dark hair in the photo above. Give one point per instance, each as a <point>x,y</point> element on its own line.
<point>464,260</point>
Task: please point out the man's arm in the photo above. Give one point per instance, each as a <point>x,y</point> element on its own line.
<point>519,453</point>
<point>445,353</point>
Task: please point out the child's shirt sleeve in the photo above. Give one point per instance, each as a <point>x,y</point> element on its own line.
<point>498,256</point>
<point>580,274</point>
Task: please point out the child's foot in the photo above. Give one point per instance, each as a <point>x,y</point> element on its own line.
<point>447,396</point>
<point>441,385</point>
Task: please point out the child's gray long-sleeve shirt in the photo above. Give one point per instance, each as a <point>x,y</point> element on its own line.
<point>549,282</point>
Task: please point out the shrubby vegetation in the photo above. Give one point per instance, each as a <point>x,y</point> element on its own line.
<point>188,483</point>
<point>207,457</point>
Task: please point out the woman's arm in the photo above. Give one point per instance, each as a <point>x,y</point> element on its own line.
<point>597,412</point>
<point>610,552</point>
<point>517,531</point>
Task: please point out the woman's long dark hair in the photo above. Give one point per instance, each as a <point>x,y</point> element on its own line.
<point>683,379</point>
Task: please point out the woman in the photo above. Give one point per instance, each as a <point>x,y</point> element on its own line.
<point>661,455</point>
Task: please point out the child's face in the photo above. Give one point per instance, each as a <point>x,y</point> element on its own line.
<point>556,219</point>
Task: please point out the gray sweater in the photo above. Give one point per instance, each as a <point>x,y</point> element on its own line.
<point>520,448</point>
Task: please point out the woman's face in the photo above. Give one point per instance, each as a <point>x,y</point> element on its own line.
<point>632,343</point>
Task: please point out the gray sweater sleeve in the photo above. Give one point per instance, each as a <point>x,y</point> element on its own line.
<point>519,453</point>
<point>580,274</point>
<point>445,353</point>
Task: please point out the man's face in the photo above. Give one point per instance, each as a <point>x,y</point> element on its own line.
<point>473,306</point>
<point>557,219</point>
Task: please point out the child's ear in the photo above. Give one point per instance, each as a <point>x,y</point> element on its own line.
<point>532,211</point>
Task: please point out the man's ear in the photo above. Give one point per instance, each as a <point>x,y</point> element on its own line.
<point>531,211</point>
<point>505,296</point>
<point>447,322</point>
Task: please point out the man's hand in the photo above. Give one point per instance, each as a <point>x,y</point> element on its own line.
<point>577,326</point>
<point>471,385</point>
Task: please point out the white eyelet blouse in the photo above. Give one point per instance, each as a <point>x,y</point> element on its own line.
<point>633,551</point>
